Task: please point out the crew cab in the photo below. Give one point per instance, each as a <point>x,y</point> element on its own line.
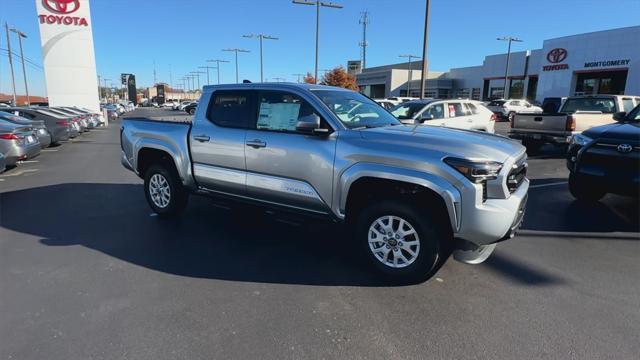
<point>506,109</point>
<point>409,193</point>
<point>577,114</point>
<point>606,159</point>
<point>454,113</point>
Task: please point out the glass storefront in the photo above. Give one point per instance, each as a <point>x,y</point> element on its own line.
<point>606,82</point>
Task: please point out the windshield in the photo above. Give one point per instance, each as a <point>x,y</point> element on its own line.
<point>634,115</point>
<point>407,110</point>
<point>355,110</point>
<point>603,105</point>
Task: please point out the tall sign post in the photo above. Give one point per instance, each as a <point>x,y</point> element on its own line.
<point>68,54</point>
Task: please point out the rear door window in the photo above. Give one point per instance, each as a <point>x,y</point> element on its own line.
<point>280,111</point>
<point>457,109</point>
<point>231,108</point>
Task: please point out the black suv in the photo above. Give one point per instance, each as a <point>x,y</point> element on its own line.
<point>606,159</point>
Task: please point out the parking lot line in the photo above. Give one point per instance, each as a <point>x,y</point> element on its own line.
<point>547,185</point>
<point>19,172</point>
<point>49,150</point>
<point>29,162</point>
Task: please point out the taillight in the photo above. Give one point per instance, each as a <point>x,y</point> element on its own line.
<point>63,123</point>
<point>9,137</point>
<point>571,123</point>
<point>494,117</point>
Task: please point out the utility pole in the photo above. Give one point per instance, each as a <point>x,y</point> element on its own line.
<point>425,62</point>
<point>260,37</point>
<point>155,79</point>
<point>505,92</point>
<point>207,67</point>
<point>364,21</point>
<point>24,69</point>
<point>99,87</point>
<point>298,75</point>
<point>197,74</point>
<point>218,61</point>
<point>105,87</point>
<point>410,71</point>
<point>13,78</point>
<point>170,77</point>
<point>318,4</point>
<point>236,50</point>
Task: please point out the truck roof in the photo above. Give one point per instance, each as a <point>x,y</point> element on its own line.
<point>278,85</point>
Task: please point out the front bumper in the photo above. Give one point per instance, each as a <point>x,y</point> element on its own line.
<point>495,219</point>
<point>547,138</point>
<point>125,162</point>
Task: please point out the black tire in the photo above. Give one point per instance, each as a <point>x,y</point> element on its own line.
<point>533,146</point>
<point>585,190</point>
<point>511,116</point>
<point>192,111</point>
<point>178,196</point>
<point>429,235</point>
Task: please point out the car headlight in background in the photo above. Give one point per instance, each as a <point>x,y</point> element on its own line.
<point>579,139</point>
<point>476,171</point>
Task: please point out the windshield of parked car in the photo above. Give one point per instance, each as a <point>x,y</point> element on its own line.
<point>634,115</point>
<point>603,105</point>
<point>355,110</point>
<point>407,110</point>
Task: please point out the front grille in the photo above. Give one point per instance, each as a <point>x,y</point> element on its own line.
<point>517,174</point>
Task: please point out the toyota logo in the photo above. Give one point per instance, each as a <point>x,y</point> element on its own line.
<point>557,55</point>
<point>61,6</point>
<point>625,148</point>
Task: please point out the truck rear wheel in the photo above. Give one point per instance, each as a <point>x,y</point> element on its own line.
<point>164,192</point>
<point>584,190</point>
<point>400,242</point>
<point>533,146</point>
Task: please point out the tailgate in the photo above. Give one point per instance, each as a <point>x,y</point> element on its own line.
<point>542,122</point>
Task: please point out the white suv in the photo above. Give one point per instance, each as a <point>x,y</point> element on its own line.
<point>455,113</point>
<point>508,108</point>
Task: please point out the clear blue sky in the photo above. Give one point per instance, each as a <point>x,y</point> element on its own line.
<point>130,34</point>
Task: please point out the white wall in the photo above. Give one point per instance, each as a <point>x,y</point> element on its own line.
<point>68,55</point>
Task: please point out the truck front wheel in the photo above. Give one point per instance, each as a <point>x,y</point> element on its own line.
<point>584,190</point>
<point>164,192</point>
<point>400,241</point>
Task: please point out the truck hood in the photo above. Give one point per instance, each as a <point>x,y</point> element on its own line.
<point>615,131</point>
<point>466,144</point>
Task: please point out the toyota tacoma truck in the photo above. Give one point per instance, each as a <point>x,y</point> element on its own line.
<point>406,194</point>
<point>577,114</point>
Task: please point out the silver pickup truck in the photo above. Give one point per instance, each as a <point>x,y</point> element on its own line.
<point>409,193</point>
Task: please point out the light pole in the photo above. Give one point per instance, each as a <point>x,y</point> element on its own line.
<point>207,67</point>
<point>218,61</point>
<point>279,79</point>
<point>24,70</point>
<point>410,71</point>
<point>318,4</point>
<point>298,75</point>
<point>260,37</point>
<point>13,78</point>
<point>236,50</point>
<point>197,74</point>
<point>105,88</point>
<point>425,63</point>
<point>505,91</point>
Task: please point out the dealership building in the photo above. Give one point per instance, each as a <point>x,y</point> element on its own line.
<point>603,62</point>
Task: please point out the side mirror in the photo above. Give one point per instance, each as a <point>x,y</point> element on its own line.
<point>425,117</point>
<point>310,124</point>
<point>619,116</point>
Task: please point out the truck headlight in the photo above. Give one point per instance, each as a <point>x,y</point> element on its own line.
<point>476,171</point>
<point>581,140</point>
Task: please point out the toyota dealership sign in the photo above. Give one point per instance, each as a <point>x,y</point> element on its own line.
<point>68,55</point>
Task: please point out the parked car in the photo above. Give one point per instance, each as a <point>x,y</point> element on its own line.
<point>112,111</point>
<point>406,191</point>
<point>506,109</point>
<point>183,105</point>
<point>90,119</point>
<point>385,103</point>
<point>17,142</point>
<point>97,119</point>
<point>191,108</point>
<point>3,162</point>
<point>59,128</point>
<point>606,159</point>
<point>577,114</point>
<point>169,104</point>
<point>37,126</point>
<point>3,105</point>
<point>80,121</point>
<point>460,114</point>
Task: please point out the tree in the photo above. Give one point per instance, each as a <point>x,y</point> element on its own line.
<point>309,79</point>
<point>340,78</point>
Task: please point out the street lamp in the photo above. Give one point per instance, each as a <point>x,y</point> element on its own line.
<point>260,37</point>
<point>318,4</point>
<point>505,91</point>
<point>24,70</point>
<point>298,75</point>
<point>218,61</point>
<point>410,70</point>
<point>197,74</point>
<point>425,63</point>
<point>236,50</point>
<point>207,67</point>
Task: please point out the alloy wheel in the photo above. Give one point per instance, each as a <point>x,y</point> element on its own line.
<point>393,241</point>
<point>160,191</point>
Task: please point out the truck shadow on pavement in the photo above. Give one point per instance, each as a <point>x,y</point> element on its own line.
<point>235,244</point>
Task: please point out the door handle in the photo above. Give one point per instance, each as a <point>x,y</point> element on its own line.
<point>256,143</point>
<point>201,138</point>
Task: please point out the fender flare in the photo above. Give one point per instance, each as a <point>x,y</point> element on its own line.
<point>449,194</point>
<point>182,165</point>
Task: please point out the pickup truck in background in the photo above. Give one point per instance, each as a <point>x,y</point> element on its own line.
<point>577,114</point>
<point>409,194</point>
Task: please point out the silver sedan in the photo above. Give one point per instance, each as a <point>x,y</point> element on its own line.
<point>18,143</point>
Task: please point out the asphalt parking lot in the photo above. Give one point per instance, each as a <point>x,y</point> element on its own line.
<point>86,271</point>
